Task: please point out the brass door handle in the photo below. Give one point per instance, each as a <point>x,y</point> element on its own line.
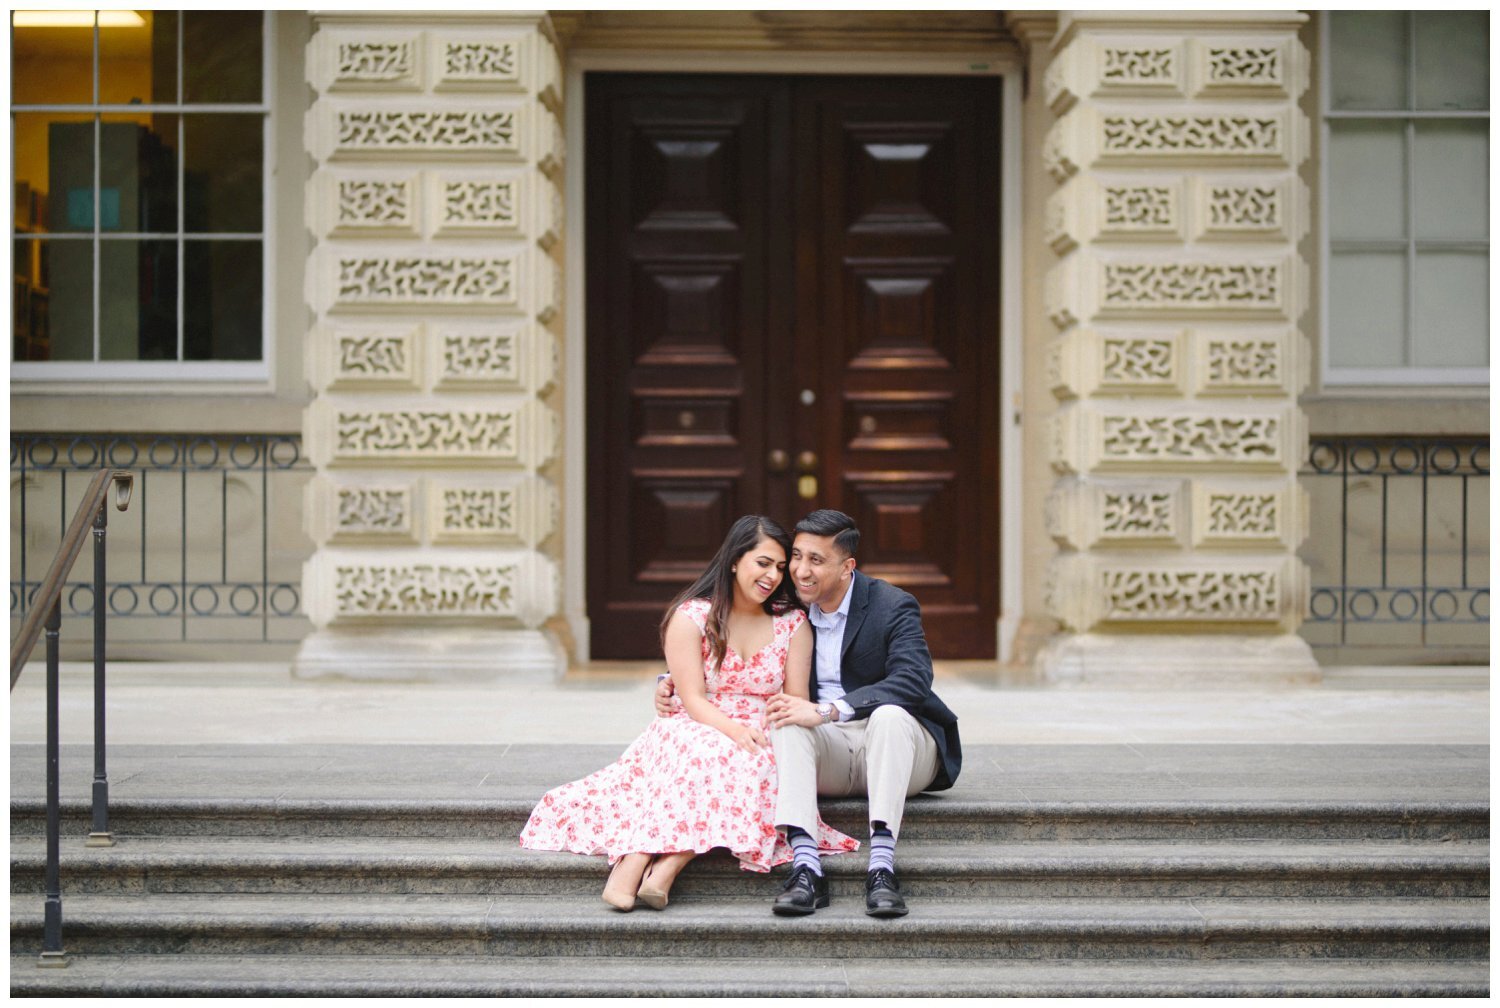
<point>807,462</point>
<point>777,461</point>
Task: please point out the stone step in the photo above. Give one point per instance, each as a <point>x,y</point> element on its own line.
<point>1337,868</point>
<point>934,818</point>
<point>486,976</point>
<point>572,926</point>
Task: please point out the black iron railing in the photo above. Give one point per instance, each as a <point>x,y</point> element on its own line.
<point>46,616</point>
<point>215,543</point>
<point>1399,550</point>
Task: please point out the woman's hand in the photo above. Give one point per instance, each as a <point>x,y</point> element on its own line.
<point>747,737</point>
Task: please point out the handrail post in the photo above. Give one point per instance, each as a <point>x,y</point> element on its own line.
<point>100,835</point>
<point>52,950</point>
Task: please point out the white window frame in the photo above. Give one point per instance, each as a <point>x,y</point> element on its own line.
<point>1344,377</point>
<point>157,376</point>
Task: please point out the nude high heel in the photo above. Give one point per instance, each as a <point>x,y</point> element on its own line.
<point>653,893</point>
<point>620,896</point>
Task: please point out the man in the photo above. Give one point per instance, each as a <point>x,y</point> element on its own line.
<point>874,728</point>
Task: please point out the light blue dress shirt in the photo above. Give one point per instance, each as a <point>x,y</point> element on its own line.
<point>829,643</point>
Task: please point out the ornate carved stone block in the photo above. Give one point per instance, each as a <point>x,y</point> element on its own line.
<point>372,60</point>
<point>1248,514</point>
<point>1134,211</point>
<point>1269,209</point>
<point>549,144</point>
<point>364,205</point>
<point>1058,85</point>
<point>1258,136</point>
<point>1103,436</point>
<point>426,279</point>
<point>497,587</point>
<point>1057,295</point>
<point>369,356</point>
<point>1060,223</point>
<point>1117,513</point>
<point>340,511</point>
<point>1243,288</point>
<point>511,355</point>
<point>515,511</point>
<point>1143,67</point>
<point>1121,362</point>
<point>479,205</point>
<point>344,130</point>
<point>1103,591</point>
<point>1249,362</point>
<point>405,433</point>
<point>1249,67</point>
<point>479,62</point>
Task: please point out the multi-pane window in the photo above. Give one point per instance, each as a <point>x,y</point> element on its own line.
<point>139,153</point>
<point>1406,197</point>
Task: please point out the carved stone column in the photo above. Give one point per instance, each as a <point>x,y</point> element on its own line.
<point>1177,359</point>
<point>435,201</point>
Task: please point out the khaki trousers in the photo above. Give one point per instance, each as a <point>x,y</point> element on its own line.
<point>888,756</point>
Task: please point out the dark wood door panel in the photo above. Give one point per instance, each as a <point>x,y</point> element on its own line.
<point>802,268</point>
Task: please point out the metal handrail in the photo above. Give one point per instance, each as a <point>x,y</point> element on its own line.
<point>50,591</point>
<point>46,614</point>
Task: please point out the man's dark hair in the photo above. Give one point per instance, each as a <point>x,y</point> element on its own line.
<point>827,522</point>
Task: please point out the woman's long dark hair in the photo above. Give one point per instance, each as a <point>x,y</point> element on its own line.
<point>716,583</point>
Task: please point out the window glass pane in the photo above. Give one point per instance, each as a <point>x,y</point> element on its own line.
<point>223,171</point>
<point>60,300</point>
<point>1368,52</point>
<point>221,54</point>
<point>137,300</point>
<point>1367,309</point>
<point>54,171</point>
<point>1453,60</point>
<point>221,300</point>
<point>51,65</point>
<point>1367,168</point>
<point>138,173</point>
<point>138,61</point>
<point>1450,174</point>
<point>1452,309</point>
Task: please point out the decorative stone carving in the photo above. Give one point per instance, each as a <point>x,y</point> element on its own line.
<point>1059,151</point>
<point>1146,515</point>
<point>458,132</point>
<point>427,281</point>
<point>365,356</point>
<point>372,511</point>
<point>1083,514</point>
<point>395,590</point>
<point>1127,363</point>
<point>391,433</point>
<point>1192,285</point>
<point>1138,211</point>
<point>376,204</point>
<point>378,64</point>
<point>1057,90</point>
<point>1144,67</point>
<point>1242,364</point>
<point>1189,134</point>
<point>1057,226</point>
<point>1166,439</point>
<point>1247,67</point>
<point>1248,514</point>
<point>1119,361</point>
<point>1134,594</point>
<point>489,205</point>
<point>516,356</point>
<point>1100,436</point>
<point>479,64</point>
<point>522,512</point>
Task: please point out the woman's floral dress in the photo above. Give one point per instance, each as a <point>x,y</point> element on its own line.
<point>682,785</point>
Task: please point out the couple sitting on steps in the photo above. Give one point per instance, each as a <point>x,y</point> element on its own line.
<point>759,715</point>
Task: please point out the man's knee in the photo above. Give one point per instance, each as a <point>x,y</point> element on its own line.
<point>889,718</point>
<point>792,737</point>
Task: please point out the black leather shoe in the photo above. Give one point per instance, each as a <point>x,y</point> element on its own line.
<point>883,895</point>
<point>803,893</point>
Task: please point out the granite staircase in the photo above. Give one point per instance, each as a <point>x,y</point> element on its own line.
<point>431,896</point>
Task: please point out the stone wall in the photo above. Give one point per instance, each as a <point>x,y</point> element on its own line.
<point>436,207</point>
<point>1176,359</point>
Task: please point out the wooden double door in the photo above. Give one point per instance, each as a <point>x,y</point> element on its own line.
<point>792,303</point>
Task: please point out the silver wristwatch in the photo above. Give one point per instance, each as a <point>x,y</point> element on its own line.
<point>825,711</point>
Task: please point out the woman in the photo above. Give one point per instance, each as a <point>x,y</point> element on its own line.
<point>703,777</point>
